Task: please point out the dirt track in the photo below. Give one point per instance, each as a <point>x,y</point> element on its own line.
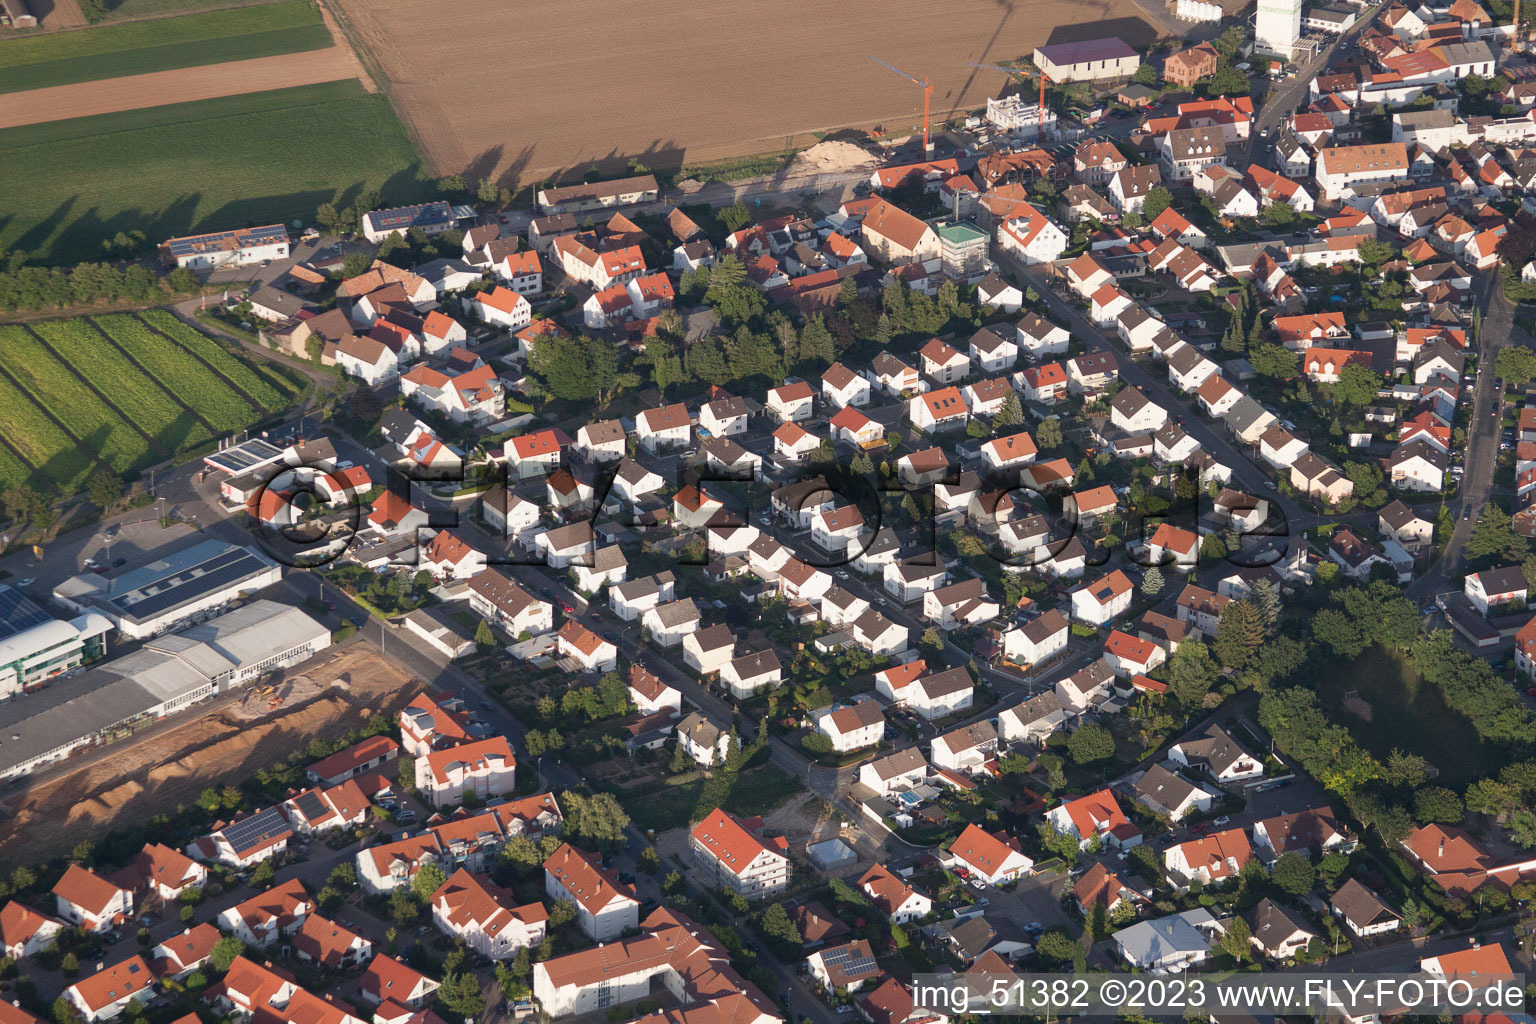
<point>543,85</point>
<point>136,780</point>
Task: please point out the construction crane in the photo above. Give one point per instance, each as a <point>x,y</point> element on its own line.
<point>927,97</point>
<point>1018,71</point>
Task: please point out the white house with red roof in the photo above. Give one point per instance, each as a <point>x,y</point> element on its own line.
<point>1010,450</point>
<point>1046,383</point>
<point>1033,236</point>
<point>842,387</point>
<point>522,272</point>
<point>25,931</point>
<point>664,427</point>
<point>109,991</point>
<point>426,725</point>
<point>166,872</point>
<point>791,403</point>
<point>1209,859</point>
<point>1171,543</point>
<point>993,857</point>
<point>794,443</point>
<point>605,907</point>
<point>1132,656</point>
<point>1102,600</point>
<point>853,727</point>
<point>485,768</point>
<point>941,363</point>
<point>853,427</point>
<point>1097,814</point>
<point>387,980</point>
<point>90,901</point>
<point>330,944</point>
<point>485,917</point>
<point>268,916</point>
<point>733,853</point>
<point>504,308</point>
<point>590,651</point>
<point>447,556</point>
<point>536,454</point>
<point>897,900</point>
<point>944,409</point>
<point>185,952</point>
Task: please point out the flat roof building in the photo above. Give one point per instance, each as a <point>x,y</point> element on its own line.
<point>155,596</point>
<point>168,674</point>
<point>1087,61</point>
<point>35,647</point>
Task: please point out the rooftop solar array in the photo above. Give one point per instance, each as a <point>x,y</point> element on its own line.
<point>257,830</point>
<point>227,241</point>
<point>18,614</point>
<point>243,456</point>
<point>160,592</point>
<point>851,959</point>
<point>310,805</point>
<point>411,216</point>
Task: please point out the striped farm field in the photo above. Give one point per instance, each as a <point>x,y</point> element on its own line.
<point>148,405</point>
<point>53,455</point>
<point>242,375</point>
<point>96,425</point>
<point>112,390</point>
<point>225,409</point>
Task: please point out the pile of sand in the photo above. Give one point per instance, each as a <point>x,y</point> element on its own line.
<point>831,158</point>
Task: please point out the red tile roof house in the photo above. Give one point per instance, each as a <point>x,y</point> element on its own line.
<point>184,953</point>
<point>426,725</point>
<point>331,945</point>
<point>389,980</point>
<point>995,858</point>
<point>605,907</point>
<point>1132,656</point>
<point>893,897</point>
<point>483,916</point>
<point>86,899</point>
<point>264,993</point>
<point>733,853</point>
<point>26,931</point>
<point>355,760</point>
<point>165,871</point>
<point>1095,814</point>
<point>485,767</point>
<point>268,916</point>
<point>108,992</point>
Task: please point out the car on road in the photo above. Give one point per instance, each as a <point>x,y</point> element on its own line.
<point>1223,820</point>
<point>1428,609</point>
<point>841,574</point>
<point>1271,485</point>
<point>405,816</point>
<point>26,582</point>
<point>567,607</point>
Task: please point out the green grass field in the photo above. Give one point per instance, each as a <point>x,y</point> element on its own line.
<point>110,51</point>
<point>116,388</point>
<point>118,10</point>
<point>214,164</point>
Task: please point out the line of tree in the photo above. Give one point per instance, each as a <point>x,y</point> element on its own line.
<point>36,288</point>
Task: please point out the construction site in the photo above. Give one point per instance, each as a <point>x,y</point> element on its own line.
<point>164,768</point>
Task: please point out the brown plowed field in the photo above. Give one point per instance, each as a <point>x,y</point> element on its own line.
<point>136,779</point>
<point>522,89</point>
<point>111,95</point>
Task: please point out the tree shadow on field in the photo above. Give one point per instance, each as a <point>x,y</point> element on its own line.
<point>660,155</point>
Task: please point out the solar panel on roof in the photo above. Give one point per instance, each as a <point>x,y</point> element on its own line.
<point>256,830</point>
<point>310,805</point>
<point>852,961</point>
<point>18,614</point>
<point>243,456</point>
<point>168,591</point>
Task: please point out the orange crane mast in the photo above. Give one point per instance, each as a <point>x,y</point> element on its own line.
<point>1026,74</point>
<point>927,98</point>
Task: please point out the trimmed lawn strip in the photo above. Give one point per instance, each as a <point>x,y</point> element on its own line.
<point>224,409</point>
<point>215,355</point>
<point>170,423</point>
<point>74,404</point>
<point>40,441</point>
